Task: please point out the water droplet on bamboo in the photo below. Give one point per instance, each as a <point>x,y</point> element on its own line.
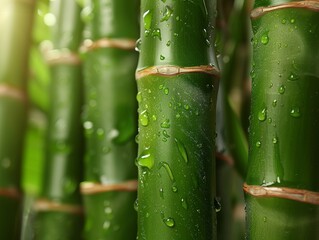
<point>165,124</point>
<point>174,188</point>
<point>182,150</point>
<point>157,33</point>
<point>169,172</point>
<point>282,89</point>
<point>293,77</point>
<point>265,38</point>
<point>147,18</point>
<point>138,45</point>
<point>275,140</point>
<point>295,112</point>
<point>139,97</point>
<point>145,159</point>
<point>258,144</point>
<point>184,203</point>
<point>217,205</point>
<point>262,115</point>
<point>274,103</point>
<point>169,222</point>
<point>166,91</point>
<point>144,118</point>
<point>167,14</point>
<point>136,205</point>
<point>168,43</point>
<point>161,192</point>
<point>162,57</point>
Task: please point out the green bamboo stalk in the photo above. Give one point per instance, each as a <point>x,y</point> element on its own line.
<point>282,183</point>
<point>177,86</point>
<point>59,206</point>
<point>15,26</point>
<point>110,119</point>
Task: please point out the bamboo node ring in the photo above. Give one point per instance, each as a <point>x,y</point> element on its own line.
<point>171,70</point>
<point>45,205</point>
<point>88,188</point>
<point>120,43</point>
<point>12,92</point>
<point>63,56</point>
<point>260,11</point>
<point>295,194</point>
<point>10,193</point>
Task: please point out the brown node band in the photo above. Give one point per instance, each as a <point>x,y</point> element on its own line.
<point>225,158</point>
<point>170,70</point>
<point>88,188</point>
<point>12,92</point>
<point>310,5</point>
<point>295,194</point>
<point>55,57</point>
<point>10,193</point>
<point>45,205</point>
<point>120,43</point>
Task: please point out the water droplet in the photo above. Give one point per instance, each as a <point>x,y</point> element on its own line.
<point>147,18</point>
<point>262,115</point>
<point>284,21</point>
<point>217,205</point>
<point>293,77</point>
<point>177,115</point>
<point>282,89</point>
<point>144,118</point>
<point>138,45</point>
<point>274,103</point>
<point>184,203</point>
<point>292,20</point>
<point>169,222</point>
<point>100,132</point>
<point>258,144</point>
<point>265,38</point>
<point>186,106</point>
<point>139,97</point>
<point>157,33</point>
<point>108,210</point>
<point>252,74</point>
<point>136,205</point>
<point>166,135</point>
<point>167,14</point>
<point>174,188</point>
<point>165,124</point>
<point>106,224</point>
<point>168,43</point>
<point>295,112</point>
<point>145,159</point>
<point>161,192</point>
<point>182,150</point>
<point>168,170</point>
<point>265,219</point>
<point>275,140</point>
<point>166,91</point>
<point>269,120</point>
<point>154,118</point>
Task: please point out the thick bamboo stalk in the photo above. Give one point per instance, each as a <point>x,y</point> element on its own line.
<point>59,206</point>
<point>15,26</point>
<point>110,119</point>
<point>177,83</point>
<point>282,183</point>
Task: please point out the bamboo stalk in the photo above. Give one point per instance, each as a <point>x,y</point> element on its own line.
<point>177,83</point>
<point>58,209</point>
<point>15,26</point>
<point>110,119</point>
<point>284,127</point>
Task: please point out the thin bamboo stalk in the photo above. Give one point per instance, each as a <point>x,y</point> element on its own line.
<point>282,183</point>
<point>15,26</point>
<point>177,83</point>
<point>58,209</point>
<point>110,119</point>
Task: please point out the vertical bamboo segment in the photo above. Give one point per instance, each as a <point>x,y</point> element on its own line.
<point>177,86</point>
<point>110,119</point>
<point>282,184</point>
<point>15,26</point>
<point>59,208</point>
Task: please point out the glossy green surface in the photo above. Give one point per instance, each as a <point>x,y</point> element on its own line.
<point>284,120</point>
<point>110,118</point>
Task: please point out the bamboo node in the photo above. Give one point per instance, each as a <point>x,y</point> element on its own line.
<point>63,56</point>
<point>45,205</point>
<point>10,193</point>
<point>12,92</point>
<point>88,188</point>
<point>120,43</point>
<point>310,5</point>
<point>171,70</point>
<point>295,194</point>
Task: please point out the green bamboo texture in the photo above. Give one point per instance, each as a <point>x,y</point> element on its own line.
<point>15,26</point>
<point>59,206</point>
<point>284,122</point>
<point>110,118</point>
<point>176,121</point>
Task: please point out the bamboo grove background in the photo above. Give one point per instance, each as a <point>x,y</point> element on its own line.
<point>159,119</point>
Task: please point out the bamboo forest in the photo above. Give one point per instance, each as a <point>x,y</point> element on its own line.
<point>159,119</point>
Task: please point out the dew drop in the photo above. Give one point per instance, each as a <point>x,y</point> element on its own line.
<point>274,103</point>
<point>184,203</point>
<point>162,57</point>
<point>283,21</point>
<point>265,38</point>
<point>168,43</point>
<point>174,188</point>
<point>275,140</point>
<point>166,91</point>
<point>282,89</point>
<point>167,14</point>
<point>293,77</point>
<point>258,144</point>
<point>157,33</point>
<point>147,18</point>
<point>169,222</point>
<point>144,118</point>
<point>139,97</point>
<point>292,20</point>
<point>136,205</point>
<point>168,170</point>
<point>262,115</point>
<point>165,124</point>
<point>217,205</point>
<point>138,45</point>
<point>145,159</point>
<point>265,219</point>
<point>161,192</point>
<point>295,112</point>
